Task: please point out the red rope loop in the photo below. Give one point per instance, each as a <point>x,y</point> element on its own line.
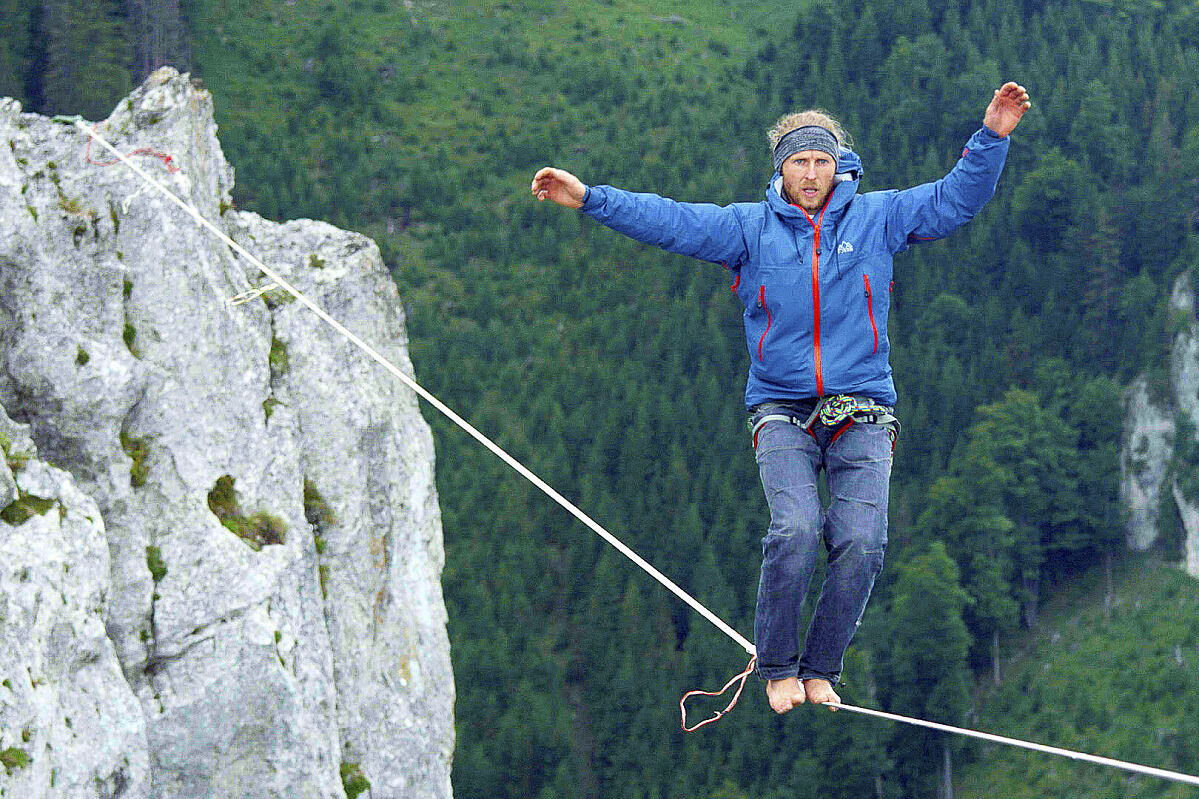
<point>166,159</point>
<point>742,677</point>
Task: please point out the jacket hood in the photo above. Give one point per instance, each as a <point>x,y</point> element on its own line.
<point>845,186</point>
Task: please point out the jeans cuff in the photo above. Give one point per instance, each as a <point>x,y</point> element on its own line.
<point>776,672</point>
<point>812,675</point>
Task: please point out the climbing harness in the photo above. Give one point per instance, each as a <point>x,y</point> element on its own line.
<point>836,412</point>
<point>595,526</point>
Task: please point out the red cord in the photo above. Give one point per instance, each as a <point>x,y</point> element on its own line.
<point>742,677</point>
<point>166,159</point>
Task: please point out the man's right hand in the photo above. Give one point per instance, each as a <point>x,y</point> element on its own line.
<point>1007,108</point>
<point>560,186</point>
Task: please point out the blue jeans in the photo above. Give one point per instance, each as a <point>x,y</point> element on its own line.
<point>853,529</point>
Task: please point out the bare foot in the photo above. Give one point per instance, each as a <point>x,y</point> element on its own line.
<point>784,694</point>
<point>820,691</point>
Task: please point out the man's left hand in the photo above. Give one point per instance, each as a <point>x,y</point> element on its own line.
<point>1007,108</point>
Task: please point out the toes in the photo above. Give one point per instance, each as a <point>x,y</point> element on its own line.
<point>782,697</point>
<point>820,692</point>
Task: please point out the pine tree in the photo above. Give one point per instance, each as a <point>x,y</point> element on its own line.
<point>1049,202</point>
<point>966,511</point>
<point>926,674</point>
<point>1100,258</point>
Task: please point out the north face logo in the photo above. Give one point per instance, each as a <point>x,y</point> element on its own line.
<point>844,247</point>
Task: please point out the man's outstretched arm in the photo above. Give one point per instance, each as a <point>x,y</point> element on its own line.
<point>700,230</point>
<point>933,210</point>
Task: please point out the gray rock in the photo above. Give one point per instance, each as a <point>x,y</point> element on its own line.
<point>1144,463</point>
<point>308,629</point>
<point>18,448</point>
<point>1147,466</point>
<point>64,704</point>
<point>1184,373</point>
<point>1188,511</point>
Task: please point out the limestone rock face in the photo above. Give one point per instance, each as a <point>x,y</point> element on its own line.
<point>1184,373</point>
<point>67,715</point>
<point>1144,463</point>
<point>1154,424</point>
<point>265,491</point>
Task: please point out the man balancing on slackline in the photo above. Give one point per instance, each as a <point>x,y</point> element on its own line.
<point>812,264</point>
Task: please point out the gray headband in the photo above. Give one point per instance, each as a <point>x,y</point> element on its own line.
<point>809,137</point>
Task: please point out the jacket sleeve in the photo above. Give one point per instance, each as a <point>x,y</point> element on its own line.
<point>933,210</point>
<point>700,230</point>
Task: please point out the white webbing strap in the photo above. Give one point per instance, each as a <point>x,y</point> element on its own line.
<point>252,294</point>
<point>432,400</point>
<point>1164,774</point>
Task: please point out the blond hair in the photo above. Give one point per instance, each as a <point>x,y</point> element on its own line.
<point>812,116</point>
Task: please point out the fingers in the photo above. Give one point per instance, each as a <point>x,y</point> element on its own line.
<point>1015,93</point>
<point>558,185</point>
<point>543,181</point>
<point>1006,108</point>
<point>546,177</point>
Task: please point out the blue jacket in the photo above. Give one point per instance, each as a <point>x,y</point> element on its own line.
<point>816,289</point>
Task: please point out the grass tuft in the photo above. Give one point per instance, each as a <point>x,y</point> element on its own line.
<point>13,758</point>
<point>138,451</point>
<point>155,563</point>
<point>129,336</point>
<point>320,516</point>
<point>316,509</point>
<point>278,358</point>
<point>24,508</point>
<point>257,530</point>
<point>353,781</point>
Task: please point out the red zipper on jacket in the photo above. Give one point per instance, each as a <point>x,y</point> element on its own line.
<point>762,302</point>
<point>816,293</point>
<point>870,310</point>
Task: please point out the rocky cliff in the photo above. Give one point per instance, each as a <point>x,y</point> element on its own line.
<point>220,547</point>
<point>1159,462</point>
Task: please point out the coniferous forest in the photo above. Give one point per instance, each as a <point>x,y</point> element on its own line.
<point>616,371</point>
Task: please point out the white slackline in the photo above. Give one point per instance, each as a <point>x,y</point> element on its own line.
<point>432,400</point>
<point>1052,750</point>
<point>580,515</point>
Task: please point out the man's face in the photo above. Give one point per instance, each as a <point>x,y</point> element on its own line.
<point>808,178</point>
